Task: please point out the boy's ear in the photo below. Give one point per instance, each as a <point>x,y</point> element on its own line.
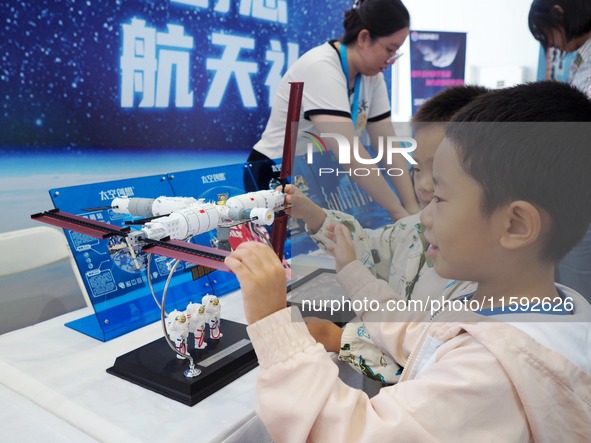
<point>523,225</point>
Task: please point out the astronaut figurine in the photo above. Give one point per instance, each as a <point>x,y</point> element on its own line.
<point>177,328</point>
<point>213,312</point>
<point>197,320</point>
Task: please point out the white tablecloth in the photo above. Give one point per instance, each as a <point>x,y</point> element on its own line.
<point>55,375</point>
<point>54,388</point>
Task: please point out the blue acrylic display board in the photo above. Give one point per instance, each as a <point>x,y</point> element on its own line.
<point>118,291</point>
<point>338,192</point>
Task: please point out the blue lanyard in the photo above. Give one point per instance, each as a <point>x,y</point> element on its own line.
<point>355,105</point>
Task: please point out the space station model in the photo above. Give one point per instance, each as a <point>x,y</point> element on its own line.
<point>180,218</point>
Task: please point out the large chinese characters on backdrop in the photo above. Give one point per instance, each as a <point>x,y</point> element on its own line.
<point>137,74</point>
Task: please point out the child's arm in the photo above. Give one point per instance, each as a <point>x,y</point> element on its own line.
<point>262,279</point>
<point>325,332</point>
<point>375,248</point>
<point>360,284</point>
<point>301,398</point>
<point>385,251</point>
<point>356,348</point>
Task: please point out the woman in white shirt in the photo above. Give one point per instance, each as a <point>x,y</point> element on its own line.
<point>345,93</point>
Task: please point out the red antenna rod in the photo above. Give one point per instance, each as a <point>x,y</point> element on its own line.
<point>294,107</point>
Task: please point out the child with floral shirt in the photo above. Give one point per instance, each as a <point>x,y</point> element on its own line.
<point>395,253</point>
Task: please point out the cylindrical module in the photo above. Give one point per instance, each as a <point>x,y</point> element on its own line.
<point>150,207</point>
<point>184,223</point>
<point>259,199</point>
<point>137,207</point>
<point>262,216</point>
<point>166,205</point>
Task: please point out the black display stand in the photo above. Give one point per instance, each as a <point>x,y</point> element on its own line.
<point>154,366</point>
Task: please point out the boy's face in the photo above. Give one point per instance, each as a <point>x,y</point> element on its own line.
<point>463,241</point>
<point>428,138</point>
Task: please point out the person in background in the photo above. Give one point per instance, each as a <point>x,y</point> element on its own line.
<point>345,93</point>
<point>566,25</point>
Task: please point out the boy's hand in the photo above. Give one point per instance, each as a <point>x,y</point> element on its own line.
<point>262,279</point>
<point>325,332</point>
<point>303,208</point>
<point>343,250</point>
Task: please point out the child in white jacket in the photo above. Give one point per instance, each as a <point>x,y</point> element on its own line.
<point>509,363</point>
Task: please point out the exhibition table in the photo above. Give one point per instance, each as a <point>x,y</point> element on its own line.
<point>24,421</point>
<point>54,387</point>
<point>55,375</point>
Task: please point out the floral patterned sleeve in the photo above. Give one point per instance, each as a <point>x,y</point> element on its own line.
<point>394,253</point>
<point>372,246</point>
<point>580,69</point>
<point>360,352</point>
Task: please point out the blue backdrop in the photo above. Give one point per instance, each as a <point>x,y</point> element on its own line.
<point>96,90</point>
<point>150,74</point>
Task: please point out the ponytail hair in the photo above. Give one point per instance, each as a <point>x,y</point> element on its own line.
<point>379,17</point>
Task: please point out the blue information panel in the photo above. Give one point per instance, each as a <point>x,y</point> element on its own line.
<point>332,191</point>
<point>116,282</point>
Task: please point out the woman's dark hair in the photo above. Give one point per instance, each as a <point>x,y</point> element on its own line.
<point>575,18</point>
<point>379,17</point>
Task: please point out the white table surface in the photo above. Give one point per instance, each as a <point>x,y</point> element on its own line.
<point>54,388</point>
<point>24,421</point>
<point>55,378</point>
